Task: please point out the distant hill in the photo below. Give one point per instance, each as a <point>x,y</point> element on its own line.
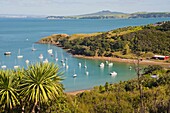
<point>101,13</point>
<point>106,14</point>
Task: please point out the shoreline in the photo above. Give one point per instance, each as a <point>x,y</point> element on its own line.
<point>77,92</point>
<point>143,62</point>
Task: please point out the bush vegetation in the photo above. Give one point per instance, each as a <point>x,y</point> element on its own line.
<point>148,39</point>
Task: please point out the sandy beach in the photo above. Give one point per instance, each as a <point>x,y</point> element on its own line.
<point>76,92</point>
<point>143,62</point>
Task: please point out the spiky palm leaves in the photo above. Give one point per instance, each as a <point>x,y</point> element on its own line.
<point>8,89</point>
<point>41,83</point>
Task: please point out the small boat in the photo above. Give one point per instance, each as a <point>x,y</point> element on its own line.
<point>130,67</point>
<point>85,66</point>
<point>19,56</point>
<point>74,75</point>
<point>50,51</point>
<point>63,64</point>
<point>110,64</point>
<point>113,73</point>
<point>7,53</point>
<point>16,67</point>
<point>45,61</point>
<point>102,65</point>
<point>41,56</point>
<point>3,66</point>
<point>62,61</point>
<point>87,73</point>
<point>79,64</point>
<point>56,58</point>
<point>27,61</point>
<point>33,49</point>
<point>67,66</point>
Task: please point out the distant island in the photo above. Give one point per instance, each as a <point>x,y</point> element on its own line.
<point>106,14</point>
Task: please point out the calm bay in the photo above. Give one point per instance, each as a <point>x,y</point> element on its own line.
<point>21,34</point>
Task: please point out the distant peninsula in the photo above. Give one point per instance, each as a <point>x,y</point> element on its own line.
<point>106,14</point>
<point>125,43</point>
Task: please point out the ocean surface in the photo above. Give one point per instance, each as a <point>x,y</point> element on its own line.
<point>21,34</point>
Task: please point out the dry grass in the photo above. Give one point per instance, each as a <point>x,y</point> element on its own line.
<point>75,36</point>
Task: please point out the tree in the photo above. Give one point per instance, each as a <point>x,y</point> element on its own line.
<point>8,90</point>
<point>40,84</point>
<point>126,49</point>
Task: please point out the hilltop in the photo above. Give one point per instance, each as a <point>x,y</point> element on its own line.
<point>106,14</point>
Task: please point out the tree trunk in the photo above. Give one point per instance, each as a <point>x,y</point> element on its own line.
<point>33,109</point>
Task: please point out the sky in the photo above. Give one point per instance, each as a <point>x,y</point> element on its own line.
<point>77,7</point>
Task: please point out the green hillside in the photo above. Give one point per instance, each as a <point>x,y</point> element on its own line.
<point>122,42</point>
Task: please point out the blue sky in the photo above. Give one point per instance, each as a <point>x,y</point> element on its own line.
<point>76,7</point>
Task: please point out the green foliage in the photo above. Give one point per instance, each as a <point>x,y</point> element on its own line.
<point>27,90</point>
<point>9,95</point>
<point>128,40</point>
<point>152,68</point>
<point>124,97</point>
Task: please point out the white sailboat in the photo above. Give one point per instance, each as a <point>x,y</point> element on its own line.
<point>102,65</point>
<point>27,61</point>
<point>45,61</point>
<point>50,51</point>
<point>110,64</point>
<point>56,57</point>
<point>19,56</point>
<point>79,64</point>
<point>3,66</point>
<point>74,75</point>
<point>7,53</point>
<point>16,66</point>
<point>87,73</point>
<point>41,56</point>
<point>33,48</point>
<point>85,66</point>
<point>113,73</point>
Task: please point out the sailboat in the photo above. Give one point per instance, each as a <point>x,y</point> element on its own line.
<point>45,61</point>
<point>50,51</point>
<point>16,67</point>
<point>19,56</point>
<point>85,65</point>
<point>27,61</point>
<point>3,66</point>
<point>113,73</point>
<point>101,65</point>
<point>56,58</point>
<point>33,49</point>
<point>75,75</point>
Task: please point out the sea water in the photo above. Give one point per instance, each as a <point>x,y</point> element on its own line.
<point>21,34</point>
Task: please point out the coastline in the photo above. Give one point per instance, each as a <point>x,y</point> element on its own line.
<point>143,62</point>
<point>77,92</point>
<point>131,61</point>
